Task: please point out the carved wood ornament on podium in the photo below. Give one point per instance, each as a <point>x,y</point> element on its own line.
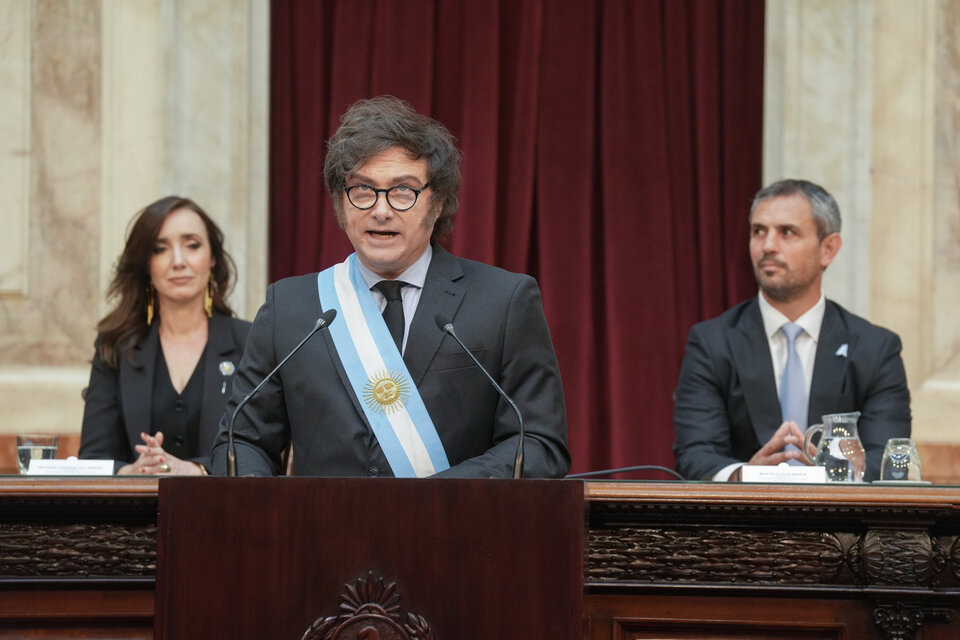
<point>369,610</point>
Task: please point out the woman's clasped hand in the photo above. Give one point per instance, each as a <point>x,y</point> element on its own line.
<point>154,460</point>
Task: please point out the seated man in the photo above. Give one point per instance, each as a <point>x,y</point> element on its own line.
<point>757,376</point>
<point>392,394</point>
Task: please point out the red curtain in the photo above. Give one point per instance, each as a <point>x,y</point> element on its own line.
<point>611,150</point>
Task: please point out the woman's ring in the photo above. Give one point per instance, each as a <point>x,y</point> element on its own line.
<point>164,468</point>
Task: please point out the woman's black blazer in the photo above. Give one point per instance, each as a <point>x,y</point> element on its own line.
<point>118,401</point>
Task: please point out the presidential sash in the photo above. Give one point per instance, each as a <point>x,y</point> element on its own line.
<point>376,370</point>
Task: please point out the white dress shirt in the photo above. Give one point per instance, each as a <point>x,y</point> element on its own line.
<point>806,344</point>
<point>413,278</point>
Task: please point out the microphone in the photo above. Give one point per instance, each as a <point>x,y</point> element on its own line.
<point>323,321</point>
<point>447,327</point>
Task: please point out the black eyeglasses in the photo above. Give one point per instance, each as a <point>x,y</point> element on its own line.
<point>400,197</point>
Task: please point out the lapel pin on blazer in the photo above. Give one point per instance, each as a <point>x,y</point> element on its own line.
<point>227,369</point>
<point>842,351</point>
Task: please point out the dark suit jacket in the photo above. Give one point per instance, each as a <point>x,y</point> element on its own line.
<point>726,403</point>
<point>499,315</point>
<point>118,401</point>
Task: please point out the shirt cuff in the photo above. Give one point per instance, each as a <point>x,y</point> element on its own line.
<point>724,474</point>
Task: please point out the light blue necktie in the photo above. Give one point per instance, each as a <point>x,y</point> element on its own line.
<point>793,385</point>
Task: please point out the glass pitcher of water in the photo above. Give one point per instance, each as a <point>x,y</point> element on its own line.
<point>840,451</point>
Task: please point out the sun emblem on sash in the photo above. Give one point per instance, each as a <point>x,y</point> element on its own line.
<point>386,392</point>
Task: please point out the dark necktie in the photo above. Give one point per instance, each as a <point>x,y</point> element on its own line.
<point>393,312</point>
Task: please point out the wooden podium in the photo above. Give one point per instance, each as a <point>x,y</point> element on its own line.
<point>331,559</point>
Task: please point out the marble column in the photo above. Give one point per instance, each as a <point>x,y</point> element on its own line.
<point>51,51</point>
<point>817,101</point>
<point>108,105</point>
<point>916,244</point>
<point>861,96</point>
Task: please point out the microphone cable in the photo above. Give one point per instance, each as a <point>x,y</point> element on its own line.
<point>641,467</point>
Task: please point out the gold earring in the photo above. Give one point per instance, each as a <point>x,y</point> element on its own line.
<point>208,298</point>
<point>149,306</point>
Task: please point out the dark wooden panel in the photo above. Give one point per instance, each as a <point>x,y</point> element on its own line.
<point>32,612</point>
<point>707,617</point>
<point>269,556</point>
<point>84,529</point>
<point>710,559</point>
<point>728,560</point>
<point>77,557</point>
<point>47,629</point>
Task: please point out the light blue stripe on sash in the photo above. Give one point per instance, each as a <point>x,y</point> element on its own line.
<point>408,437</point>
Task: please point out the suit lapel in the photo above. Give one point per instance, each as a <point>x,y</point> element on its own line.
<point>442,294</point>
<point>216,383</point>
<point>136,391</point>
<point>750,350</point>
<point>829,369</point>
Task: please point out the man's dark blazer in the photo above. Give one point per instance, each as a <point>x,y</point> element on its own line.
<point>310,402</point>
<point>118,401</point>
<point>726,403</point>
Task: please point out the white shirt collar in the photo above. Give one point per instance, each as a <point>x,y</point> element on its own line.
<point>415,274</point>
<point>811,320</point>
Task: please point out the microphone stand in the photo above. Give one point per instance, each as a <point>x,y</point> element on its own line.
<point>323,321</point>
<point>447,327</point>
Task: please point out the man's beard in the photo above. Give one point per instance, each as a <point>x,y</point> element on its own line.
<point>785,291</point>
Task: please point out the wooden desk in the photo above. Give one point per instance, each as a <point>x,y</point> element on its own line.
<point>669,560</point>
<point>77,557</point>
<point>662,560</point>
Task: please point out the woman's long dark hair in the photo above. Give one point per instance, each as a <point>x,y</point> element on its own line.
<point>126,325</point>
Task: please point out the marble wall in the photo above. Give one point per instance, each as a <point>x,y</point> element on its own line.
<point>185,93</point>
<point>862,97</point>
<point>14,144</point>
<point>108,105</point>
<point>932,309</point>
<point>817,103</point>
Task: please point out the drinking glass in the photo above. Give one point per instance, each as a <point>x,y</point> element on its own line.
<point>35,447</point>
<point>901,461</point>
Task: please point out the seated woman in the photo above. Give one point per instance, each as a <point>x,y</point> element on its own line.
<point>166,355</point>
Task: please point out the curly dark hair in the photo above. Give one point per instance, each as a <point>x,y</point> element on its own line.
<point>374,125</point>
<point>126,325</point>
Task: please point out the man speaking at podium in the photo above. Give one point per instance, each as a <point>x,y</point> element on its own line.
<point>384,391</point>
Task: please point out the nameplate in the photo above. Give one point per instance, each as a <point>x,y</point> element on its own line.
<point>70,467</point>
<point>782,473</point>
